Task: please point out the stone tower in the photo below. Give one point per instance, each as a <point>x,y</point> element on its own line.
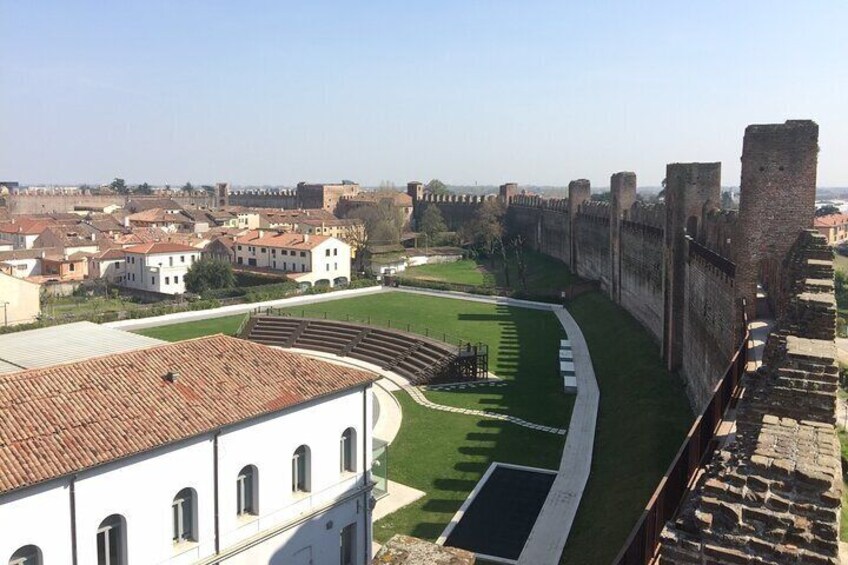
<point>692,190</point>
<point>507,191</point>
<point>579,191</point>
<point>623,196</point>
<point>222,194</point>
<point>777,201</point>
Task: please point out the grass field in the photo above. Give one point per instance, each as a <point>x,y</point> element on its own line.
<point>544,275</point>
<point>643,413</point>
<point>177,332</point>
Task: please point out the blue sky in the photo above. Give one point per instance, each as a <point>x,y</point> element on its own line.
<point>485,92</point>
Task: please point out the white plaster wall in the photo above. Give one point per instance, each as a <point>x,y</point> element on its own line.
<point>25,267</point>
<point>41,516</point>
<point>142,488</point>
<point>142,491</point>
<point>269,446</point>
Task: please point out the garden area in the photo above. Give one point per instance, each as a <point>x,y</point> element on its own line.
<point>643,416</point>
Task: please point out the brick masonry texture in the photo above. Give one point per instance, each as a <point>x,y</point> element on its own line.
<point>772,493</point>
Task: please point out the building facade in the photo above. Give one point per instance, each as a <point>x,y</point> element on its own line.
<point>19,300</point>
<point>159,267</point>
<point>307,259</point>
<point>833,227</point>
<point>267,475</point>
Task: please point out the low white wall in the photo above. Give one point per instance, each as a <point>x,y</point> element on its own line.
<point>181,317</point>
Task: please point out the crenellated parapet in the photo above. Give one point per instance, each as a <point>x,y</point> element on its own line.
<point>772,494</point>
<point>595,210</point>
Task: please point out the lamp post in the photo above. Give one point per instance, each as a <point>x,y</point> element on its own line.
<point>5,313</point>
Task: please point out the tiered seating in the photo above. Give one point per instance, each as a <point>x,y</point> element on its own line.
<point>416,358</point>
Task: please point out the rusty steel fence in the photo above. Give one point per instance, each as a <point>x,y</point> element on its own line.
<point>698,447</point>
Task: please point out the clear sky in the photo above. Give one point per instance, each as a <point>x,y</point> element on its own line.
<point>485,92</point>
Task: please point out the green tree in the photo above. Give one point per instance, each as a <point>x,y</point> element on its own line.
<point>486,227</point>
<point>209,274</point>
<point>383,222</point>
<point>187,187</point>
<point>432,223</point>
<point>144,188</point>
<point>119,186</point>
<point>840,282</point>
<point>436,186</point>
<point>826,210</point>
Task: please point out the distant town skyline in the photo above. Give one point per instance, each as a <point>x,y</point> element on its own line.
<point>536,93</point>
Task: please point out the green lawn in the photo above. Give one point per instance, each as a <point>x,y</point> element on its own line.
<point>643,418</point>
<point>189,330</point>
<point>466,271</point>
<point>523,347</point>
<point>544,274</point>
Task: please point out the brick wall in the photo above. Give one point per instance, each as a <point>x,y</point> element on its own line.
<point>641,275</point>
<point>772,494</point>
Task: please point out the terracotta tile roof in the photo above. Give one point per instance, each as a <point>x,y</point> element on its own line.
<point>158,215</point>
<point>66,418</point>
<point>24,226</point>
<point>141,235</point>
<point>159,247</point>
<point>281,240</point>
<point>831,220</point>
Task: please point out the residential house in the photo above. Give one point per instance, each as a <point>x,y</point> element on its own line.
<point>109,265</point>
<point>834,227</point>
<point>23,232</point>
<point>79,238</point>
<point>159,267</point>
<point>307,259</point>
<point>20,300</point>
<point>351,231</point>
<point>141,204</point>
<point>213,450</point>
<point>166,220</point>
<point>6,245</point>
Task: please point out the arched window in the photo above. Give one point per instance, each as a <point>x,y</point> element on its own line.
<point>347,448</point>
<point>300,469</point>
<point>184,510</point>
<point>247,492</point>
<point>27,555</point>
<point>112,541</point>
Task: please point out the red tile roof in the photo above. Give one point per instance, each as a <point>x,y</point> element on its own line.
<point>66,418</point>
<point>831,220</point>
<point>24,226</point>
<point>160,247</point>
<point>281,240</point>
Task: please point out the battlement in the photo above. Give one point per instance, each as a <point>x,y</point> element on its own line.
<point>643,214</point>
<point>595,209</point>
<point>536,201</point>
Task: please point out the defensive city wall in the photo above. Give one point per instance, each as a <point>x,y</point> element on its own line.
<point>686,269</point>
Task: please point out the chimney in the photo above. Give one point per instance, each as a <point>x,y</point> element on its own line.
<point>306,238</point>
<point>172,376</point>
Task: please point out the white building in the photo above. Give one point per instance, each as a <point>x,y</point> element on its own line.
<point>167,454</point>
<point>307,259</point>
<point>159,267</point>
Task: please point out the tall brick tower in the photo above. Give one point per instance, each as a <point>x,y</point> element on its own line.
<point>777,201</point>
<point>692,190</point>
<point>507,191</point>
<point>579,191</point>
<point>222,194</point>
<point>623,196</point>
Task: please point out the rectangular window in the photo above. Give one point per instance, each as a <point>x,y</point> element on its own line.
<point>264,250</point>
<point>335,252</point>
<point>73,267</point>
<point>285,251</point>
<point>171,261</point>
<point>303,268</point>
<point>335,266</point>
<point>327,253</point>
<point>239,247</point>
<point>176,279</point>
<point>328,267</point>
<point>303,253</point>
<point>239,260</point>
<point>167,280</point>
<point>182,258</point>
<point>347,545</point>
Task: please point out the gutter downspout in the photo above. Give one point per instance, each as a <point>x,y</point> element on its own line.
<point>73,497</point>
<point>215,491</point>
<point>366,507</point>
